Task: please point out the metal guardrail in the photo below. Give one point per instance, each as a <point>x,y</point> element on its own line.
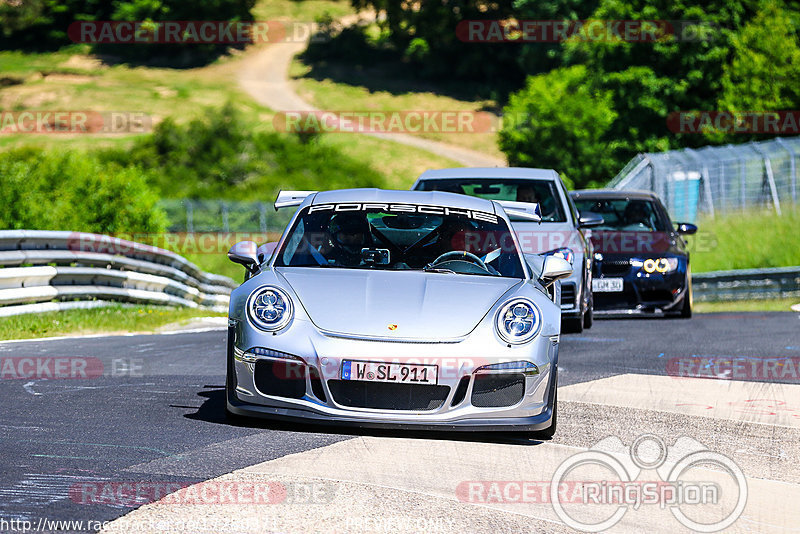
<point>747,284</point>
<point>43,266</point>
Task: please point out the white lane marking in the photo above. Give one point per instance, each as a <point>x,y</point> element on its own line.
<point>402,479</point>
<point>29,388</point>
<point>756,402</point>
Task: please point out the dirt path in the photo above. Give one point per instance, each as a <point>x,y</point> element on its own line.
<point>265,76</point>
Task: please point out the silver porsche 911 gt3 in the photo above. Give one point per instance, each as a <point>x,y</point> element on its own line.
<point>397,308</point>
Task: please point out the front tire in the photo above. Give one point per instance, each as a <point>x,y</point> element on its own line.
<point>572,325</point>
<point>588,316</point>
<point>230,379</point>
<point>550,431</point>
<point>686,310</point>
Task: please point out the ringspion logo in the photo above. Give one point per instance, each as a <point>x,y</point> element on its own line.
<point>694,483</point>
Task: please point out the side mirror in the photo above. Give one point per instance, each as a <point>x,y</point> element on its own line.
<point>590,220</point>
<point>245,253</point>
<point>555,268</point>
<point>686,228</point>
<point>536,263</point>
<point>264,252</point>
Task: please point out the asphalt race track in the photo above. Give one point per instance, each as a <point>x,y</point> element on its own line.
<point>152,413</point>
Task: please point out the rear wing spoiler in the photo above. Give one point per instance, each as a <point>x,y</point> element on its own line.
<point>290,199</point>
<point>521,211</point>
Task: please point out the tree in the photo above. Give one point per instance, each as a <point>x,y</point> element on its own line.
<point>764,74</point>
<point>427,34</point>
<point>560,121</point>
<point>648,78</point>
<point>538,57</point>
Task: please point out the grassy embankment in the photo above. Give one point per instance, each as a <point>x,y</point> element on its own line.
<point>754,239</point>
<point>117,318</point>
<point>386,84</point>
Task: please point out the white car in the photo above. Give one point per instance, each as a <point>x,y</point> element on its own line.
<point>560,232</point>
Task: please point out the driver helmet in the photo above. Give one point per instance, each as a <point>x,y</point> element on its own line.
<point>636,212</point>
<point>349,231</point>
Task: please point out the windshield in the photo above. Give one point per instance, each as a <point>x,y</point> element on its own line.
<point>401,237</point>
<point>542,192</point>
<point>630,215</point>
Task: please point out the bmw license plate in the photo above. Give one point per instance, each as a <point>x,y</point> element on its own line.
<point>402,373</point>
<point>606,285</point>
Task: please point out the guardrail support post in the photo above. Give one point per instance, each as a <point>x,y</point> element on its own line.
<point>770,178</point>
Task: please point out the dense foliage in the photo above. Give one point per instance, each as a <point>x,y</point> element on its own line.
<point>735,55</point>
<point>44,24</point>
<point>221,157</point>
<point>569,120</point>
<point>118,190</point>
<point>76,191</point>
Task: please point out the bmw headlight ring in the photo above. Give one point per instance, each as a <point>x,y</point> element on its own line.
<point>269,308</point>
<point>518,321</point>
<point>660,265</point>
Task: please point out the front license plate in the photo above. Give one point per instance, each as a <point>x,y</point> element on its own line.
<point>606,285</point>
<point>389,372</point>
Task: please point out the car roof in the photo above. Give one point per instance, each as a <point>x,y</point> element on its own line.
<point>489,172</point>
<point>612,194</point>
<point>433,198</point>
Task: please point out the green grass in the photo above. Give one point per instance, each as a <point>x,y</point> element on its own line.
<point>84,83</point>
<point>115,318</point>
<point>301,10</point>
<point>216,263</point>
<point>753,239</point>
<point>745,305</point>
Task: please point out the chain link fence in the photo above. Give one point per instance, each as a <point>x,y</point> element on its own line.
<point>715,179</point>
<point>186,215</point>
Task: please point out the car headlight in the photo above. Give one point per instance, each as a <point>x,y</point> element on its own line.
<point>660,265</point>
<point>518,321</point>
<point>564,253</point>
<point>269,308</point>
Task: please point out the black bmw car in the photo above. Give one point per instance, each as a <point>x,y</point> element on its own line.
<point>641,263</point>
